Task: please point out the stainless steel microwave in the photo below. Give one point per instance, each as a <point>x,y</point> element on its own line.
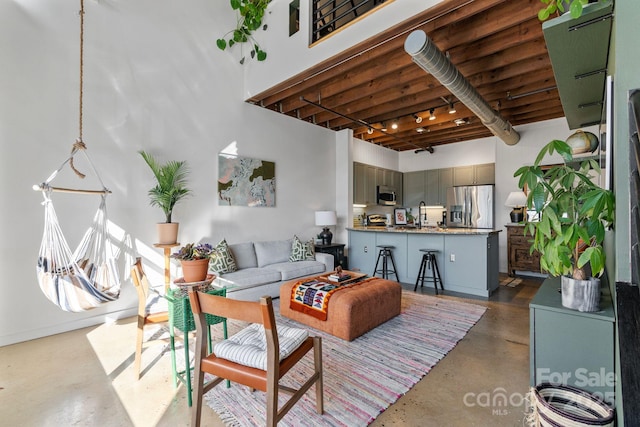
<point>386,195</point>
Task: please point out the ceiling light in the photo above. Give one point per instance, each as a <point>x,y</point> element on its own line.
<point>394,125</point>
<point>370,130</point>
<point>431,115</point>
<point>452,108</point>
<point>384,127</point>
<point>459,122</point>
<point>418,118</point>
<point>420,130</point>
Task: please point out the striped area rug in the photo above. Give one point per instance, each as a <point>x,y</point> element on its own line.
<point>363,377</point>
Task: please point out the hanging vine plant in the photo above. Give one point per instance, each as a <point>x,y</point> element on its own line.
<point>250,16</point>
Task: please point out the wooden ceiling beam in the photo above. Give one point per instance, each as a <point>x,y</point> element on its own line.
<point>394,53</point>
<point>441,15</point>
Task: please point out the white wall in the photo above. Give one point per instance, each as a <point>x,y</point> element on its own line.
<point>154,80</point>
<point>288,56</point>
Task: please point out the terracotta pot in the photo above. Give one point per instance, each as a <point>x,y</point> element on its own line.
<point>195,270</point>
<point>167,233</point>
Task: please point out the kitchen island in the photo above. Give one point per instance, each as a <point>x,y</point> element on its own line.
<point>467,257</point>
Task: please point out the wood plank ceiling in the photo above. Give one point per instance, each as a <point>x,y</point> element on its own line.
<point>497,45</point>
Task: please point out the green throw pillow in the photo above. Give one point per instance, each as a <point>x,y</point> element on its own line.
<point>222,260</point>
<point>301,251</point>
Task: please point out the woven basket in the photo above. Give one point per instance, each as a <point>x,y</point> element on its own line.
<point>566,406</point>
<point>179,303</point>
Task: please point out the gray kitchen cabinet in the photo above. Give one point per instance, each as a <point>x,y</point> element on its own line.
<point>366,178</point>
<point>397,183</point>
<point>413,188</point>
<point>362,251</point>
<point>485,174</point>
<point>364,184</point>
<point>468,262</point>
<point>432,187</point>
<point>446,182</point>
<point>463,175</point>
<point>471,263</point>
<point>571,347</point>
<point>474,174</point>
<point>429,186</point>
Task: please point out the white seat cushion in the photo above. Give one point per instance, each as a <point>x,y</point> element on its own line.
<point>249,348</point>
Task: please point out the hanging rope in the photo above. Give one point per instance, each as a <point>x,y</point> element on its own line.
<point>87,277</point>
<point>79,144</point>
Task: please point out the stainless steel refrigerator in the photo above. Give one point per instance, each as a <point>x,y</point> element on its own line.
<point>470,206</point>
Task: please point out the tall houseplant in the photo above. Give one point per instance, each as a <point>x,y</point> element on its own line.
<point>171,187</point>
<point>574,214</point>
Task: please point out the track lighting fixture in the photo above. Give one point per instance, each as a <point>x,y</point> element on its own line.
<point>394,125</point>
<point>418,118</point>
<point>431,115</point>
<point>452,108</point>
<point>370,130</point>
<point>384,127</point>
<point>421,130</point>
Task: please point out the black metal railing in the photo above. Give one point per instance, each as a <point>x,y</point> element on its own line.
<point>329,15</point>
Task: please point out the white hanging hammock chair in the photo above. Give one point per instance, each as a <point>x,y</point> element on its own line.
<point>88,277</point>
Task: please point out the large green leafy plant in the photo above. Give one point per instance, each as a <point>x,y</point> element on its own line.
<point>574,213</point>
<point>171,187</point>
<point>249,19</point>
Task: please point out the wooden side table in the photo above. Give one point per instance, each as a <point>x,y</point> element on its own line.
<point>337,250</point>
<point>518,254</point>
<point>167,262</point>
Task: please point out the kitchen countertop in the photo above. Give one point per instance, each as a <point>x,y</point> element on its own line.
<point>426,230</point>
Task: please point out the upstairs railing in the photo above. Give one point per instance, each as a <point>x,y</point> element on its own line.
<point>329,15</point>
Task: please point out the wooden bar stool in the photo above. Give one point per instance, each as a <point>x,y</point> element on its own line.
<point>429,262</point>
<point>386,254</point>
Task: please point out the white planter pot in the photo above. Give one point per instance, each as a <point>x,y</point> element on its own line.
<point>581,295</point>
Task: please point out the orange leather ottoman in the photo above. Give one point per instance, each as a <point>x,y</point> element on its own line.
<point>352,311</point>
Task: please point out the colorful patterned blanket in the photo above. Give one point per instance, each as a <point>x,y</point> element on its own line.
<point>311,296</point>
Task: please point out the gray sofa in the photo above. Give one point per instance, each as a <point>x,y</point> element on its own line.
<point>263,266</point>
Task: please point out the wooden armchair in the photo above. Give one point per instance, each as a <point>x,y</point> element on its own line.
<point>147,301</point>
<point>272,365</point>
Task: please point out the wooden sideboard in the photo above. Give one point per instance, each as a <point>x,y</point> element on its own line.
<point>518,251</point>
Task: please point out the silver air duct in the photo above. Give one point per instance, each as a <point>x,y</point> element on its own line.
<point>427,55</point>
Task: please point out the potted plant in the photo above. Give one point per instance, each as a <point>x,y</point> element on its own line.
<point>574,213</point>
<point>574,7</point>
<point>171,187</point>
<point>194,260</point>
<point>250,17</point>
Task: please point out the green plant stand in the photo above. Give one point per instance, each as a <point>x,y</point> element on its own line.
<point>181,318</point>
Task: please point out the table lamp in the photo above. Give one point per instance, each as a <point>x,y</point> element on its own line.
<point>325,219</point>
<point>516,200</point>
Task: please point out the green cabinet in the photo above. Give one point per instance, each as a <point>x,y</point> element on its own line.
<point>366,178</point>
<point>475,174</point>
<point>570,347</point>
<point>413,188</point>
<point>364,184</point>
<point>429,186</point>
<point>579,52</point>
<point>446,182</point>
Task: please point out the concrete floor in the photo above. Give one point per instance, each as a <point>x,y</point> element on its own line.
<point>86,377</point>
